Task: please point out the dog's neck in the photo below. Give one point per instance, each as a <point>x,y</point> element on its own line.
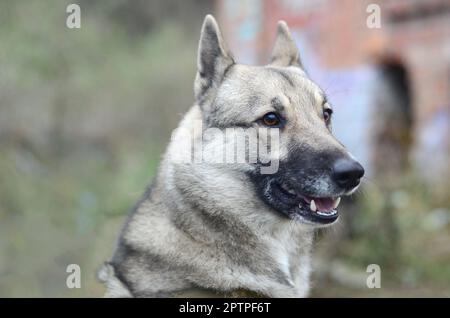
<point>247,262</point>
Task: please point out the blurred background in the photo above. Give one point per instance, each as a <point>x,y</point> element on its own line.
<point>85,115</point>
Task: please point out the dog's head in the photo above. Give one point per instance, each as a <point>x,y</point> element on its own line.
<point>314,168</point>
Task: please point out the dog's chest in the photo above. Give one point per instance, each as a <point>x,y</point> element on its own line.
<point>291,251</point>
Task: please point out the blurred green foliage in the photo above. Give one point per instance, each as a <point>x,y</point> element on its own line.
<point>414,256</point>
<point>85,115</point>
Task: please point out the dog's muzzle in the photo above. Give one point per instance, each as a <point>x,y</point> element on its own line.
<point>311,193</point>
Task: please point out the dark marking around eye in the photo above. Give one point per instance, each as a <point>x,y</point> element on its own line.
<point>277,105</point>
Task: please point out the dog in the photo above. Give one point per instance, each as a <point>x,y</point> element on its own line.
<point>211,229</point>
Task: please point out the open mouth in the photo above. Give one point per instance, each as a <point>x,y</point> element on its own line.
<point>322,210</point>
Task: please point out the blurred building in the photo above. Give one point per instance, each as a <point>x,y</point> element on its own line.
<point>390,85</point>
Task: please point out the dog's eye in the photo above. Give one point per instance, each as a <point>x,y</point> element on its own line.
<point>327,114</point>
<point>271,119</point>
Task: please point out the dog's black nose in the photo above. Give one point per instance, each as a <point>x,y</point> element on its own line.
<point>347,173</point>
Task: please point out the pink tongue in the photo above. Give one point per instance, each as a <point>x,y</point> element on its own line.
<point>324,204</point>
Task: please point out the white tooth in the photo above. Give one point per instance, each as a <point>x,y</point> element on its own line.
<point>336,202</point>
<point>313,206</point>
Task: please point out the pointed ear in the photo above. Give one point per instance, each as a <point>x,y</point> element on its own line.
<point>213,60</point>
<point>285,52</point>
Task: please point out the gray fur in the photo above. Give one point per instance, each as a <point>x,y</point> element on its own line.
<point>203,226</point>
